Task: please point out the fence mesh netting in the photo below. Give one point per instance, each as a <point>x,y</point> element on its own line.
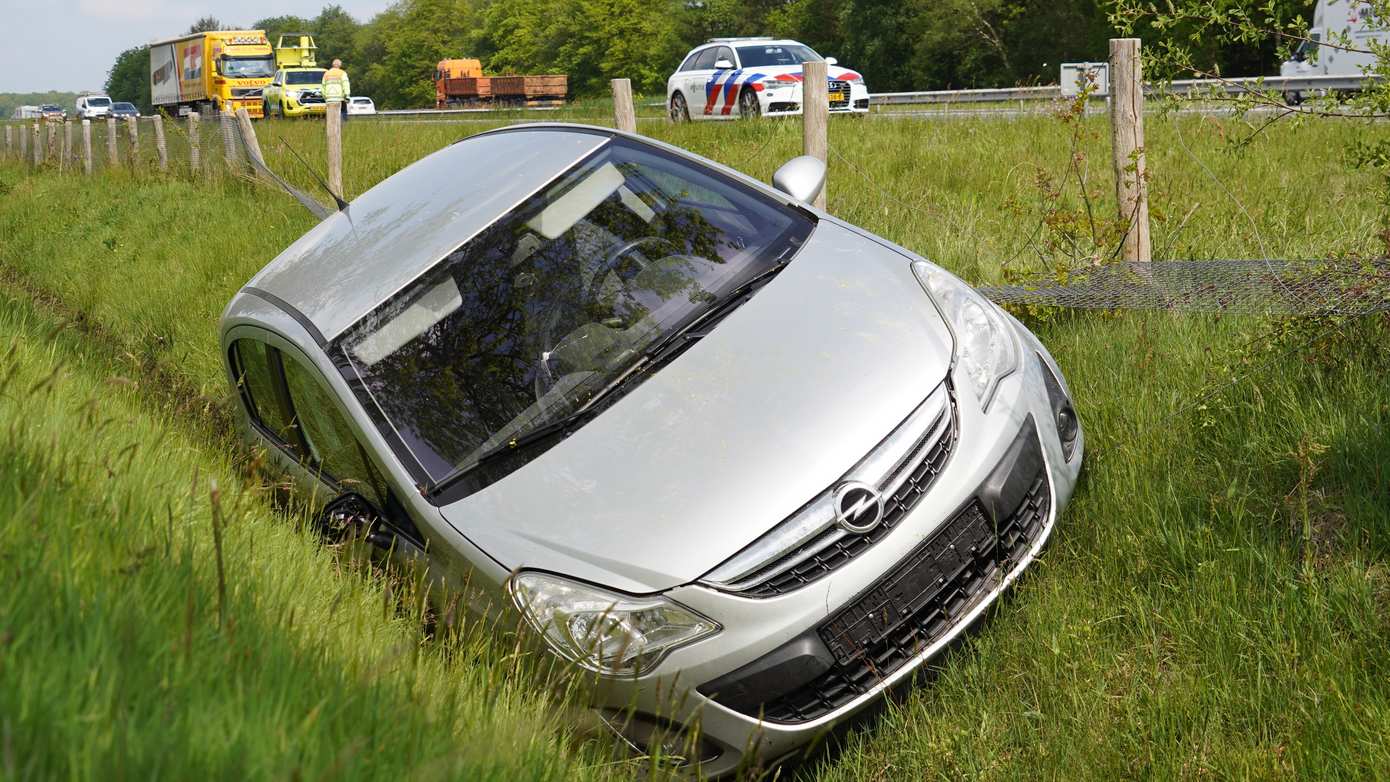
<point>1255,287</point>
<point>207,147</point>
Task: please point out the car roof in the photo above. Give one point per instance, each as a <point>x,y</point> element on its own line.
<point>361,256</point>
<point>747,41</point>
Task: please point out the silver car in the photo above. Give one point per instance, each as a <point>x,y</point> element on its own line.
<point>747,463</point>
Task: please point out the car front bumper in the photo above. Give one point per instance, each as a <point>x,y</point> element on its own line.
<point>756,631</point>
<point>786,102</point>
<point>293,108</point>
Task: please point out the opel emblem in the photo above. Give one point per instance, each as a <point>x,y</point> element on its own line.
<point>858,507</point>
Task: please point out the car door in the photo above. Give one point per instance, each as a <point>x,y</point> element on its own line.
<point>724,96</point>
<point>697,81</point>
<point>293,410</point>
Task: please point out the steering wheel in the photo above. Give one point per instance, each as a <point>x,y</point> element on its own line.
<point>615,257</point>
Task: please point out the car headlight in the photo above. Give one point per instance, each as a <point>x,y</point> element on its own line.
<point>605,631</point>
<point>985,349</point>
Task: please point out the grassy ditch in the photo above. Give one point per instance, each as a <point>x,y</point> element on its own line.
<point>1214,601</point>
<point>133,644</point>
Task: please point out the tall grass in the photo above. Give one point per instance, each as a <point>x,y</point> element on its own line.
<point>133,647</point>
<point>1214,600</point>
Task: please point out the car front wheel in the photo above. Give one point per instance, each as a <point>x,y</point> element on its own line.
<point>748,105</point>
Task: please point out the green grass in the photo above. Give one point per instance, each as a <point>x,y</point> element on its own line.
<point>121,656</point>
<point>1213,602</point>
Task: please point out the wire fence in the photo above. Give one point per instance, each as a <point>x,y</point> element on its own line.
<point>217,147</point>
<point>194,146</point>
<point>1247,287</point>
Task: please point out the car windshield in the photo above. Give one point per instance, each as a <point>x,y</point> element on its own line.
<point>124,106</point>
<point>246,67</point>
<point>49,107</point>
<point>304,77</point>
<point>98,101</point>
<point>765,55</point>
<point>557,300</point>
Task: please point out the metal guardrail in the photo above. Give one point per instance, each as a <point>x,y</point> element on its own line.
<point>446,112</point>
<point>964,96</point>
<point>1234,86</point>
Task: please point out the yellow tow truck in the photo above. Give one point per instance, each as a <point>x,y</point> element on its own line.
<point>296,89</point>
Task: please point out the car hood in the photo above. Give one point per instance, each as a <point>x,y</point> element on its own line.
<point>793,73</point>
<point>781,399</point>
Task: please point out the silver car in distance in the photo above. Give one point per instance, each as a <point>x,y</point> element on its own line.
<point>748,464</point>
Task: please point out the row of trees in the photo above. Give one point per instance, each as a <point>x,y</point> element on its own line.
<point>897,44</point>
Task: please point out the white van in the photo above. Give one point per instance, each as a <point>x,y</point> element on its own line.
<point>93,106</point>
<point>1339,41</point>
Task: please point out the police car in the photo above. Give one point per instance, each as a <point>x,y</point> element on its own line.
<point>726,78</point>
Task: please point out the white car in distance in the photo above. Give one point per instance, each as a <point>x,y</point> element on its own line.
<point>93,107</point>
<point>360,106</point>
<point>727,78</point>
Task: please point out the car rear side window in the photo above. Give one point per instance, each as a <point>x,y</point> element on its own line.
<point>333,446</point>
<point>689,64</point>
<point>707,58</point>
<point>256,364</point>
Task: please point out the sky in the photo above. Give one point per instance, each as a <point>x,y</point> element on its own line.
<point>69,45</point>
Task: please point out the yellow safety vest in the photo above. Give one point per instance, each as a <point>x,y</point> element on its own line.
<point>336,87</point>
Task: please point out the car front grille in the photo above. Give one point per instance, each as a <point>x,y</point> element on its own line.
<point>246,92</point>
<point>839,94</point>
<point>310,97</point>
<point>926,463</point>
<point>916,604</point>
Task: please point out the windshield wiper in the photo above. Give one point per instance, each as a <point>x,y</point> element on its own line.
<point>513,445</point>
<point>721,306</point>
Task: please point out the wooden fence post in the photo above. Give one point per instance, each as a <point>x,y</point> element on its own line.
<point>815,116</point>
<point>194,145</point>
<point>248,136</point>
<point>23,144</point>
<point>67,145</point>
<point>624,114</point>
<point>335,150</point>
<point>51,150</point>
<point>9,140</point>
<point>87,147</point>
<point>133,125</point>
<point>159,146</point>
<point>38,144</point>
<point>113,155</point>
<point>1127,147</point>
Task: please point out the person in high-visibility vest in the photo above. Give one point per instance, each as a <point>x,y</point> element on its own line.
<point>336,88</point>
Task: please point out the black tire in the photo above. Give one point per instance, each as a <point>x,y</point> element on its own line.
<point>265,109</point>
<point>679,111</point>
<point>748,105</point>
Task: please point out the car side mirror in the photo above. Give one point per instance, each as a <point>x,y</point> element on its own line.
<point>722,64</point>
<point>801,178</point>
<point>831,61</point>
